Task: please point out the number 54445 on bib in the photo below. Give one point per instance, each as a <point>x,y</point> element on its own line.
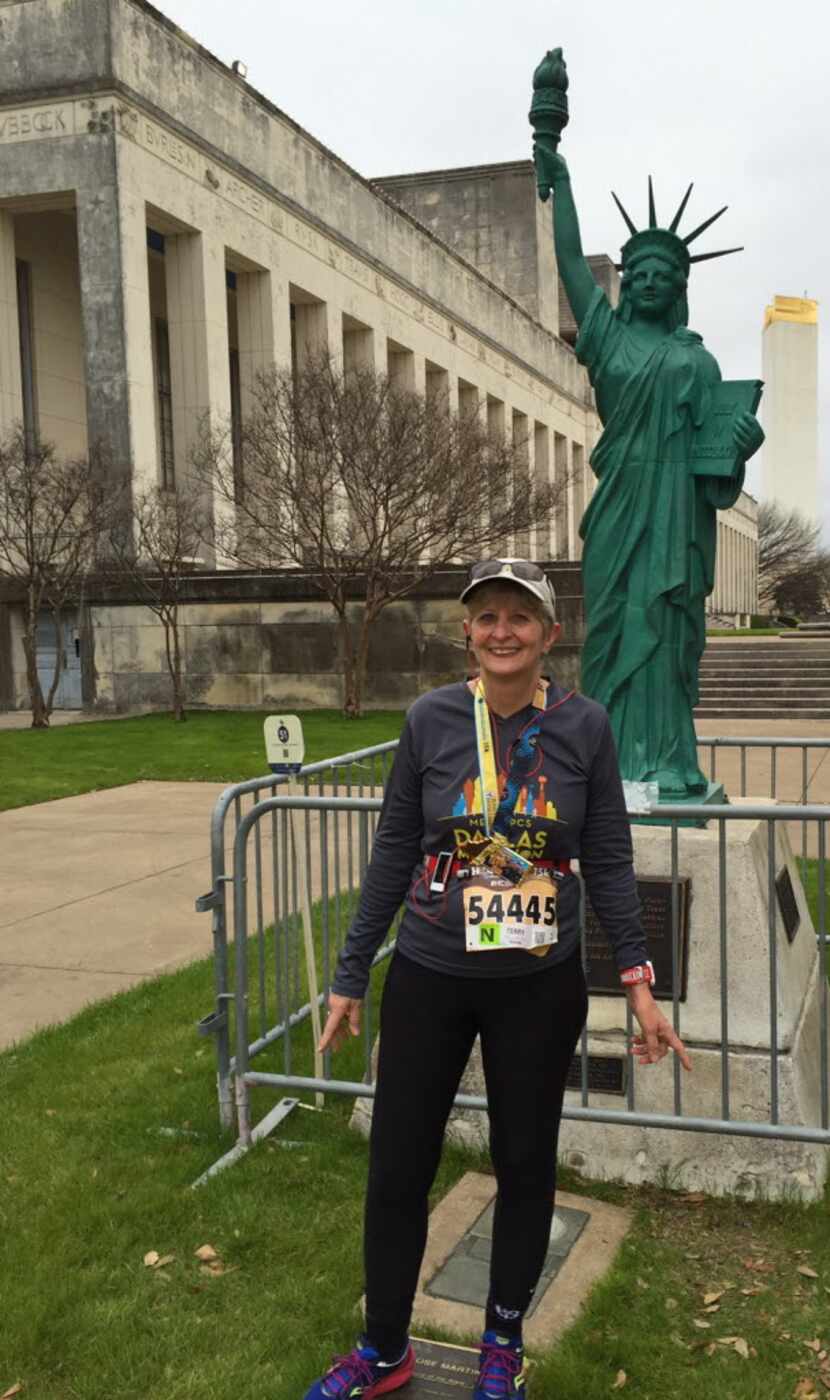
<point>499,915</point>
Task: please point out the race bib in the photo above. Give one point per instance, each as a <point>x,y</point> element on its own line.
<point>498,914</point>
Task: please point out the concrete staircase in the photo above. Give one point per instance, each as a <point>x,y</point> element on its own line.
<point>772,678</point>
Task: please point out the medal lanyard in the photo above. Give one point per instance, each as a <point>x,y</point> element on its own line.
<point>490,796</point>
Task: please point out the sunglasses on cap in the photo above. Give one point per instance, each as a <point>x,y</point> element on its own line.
<point>506,568</point>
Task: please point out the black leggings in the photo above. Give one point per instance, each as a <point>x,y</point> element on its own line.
<point>529,1027</point>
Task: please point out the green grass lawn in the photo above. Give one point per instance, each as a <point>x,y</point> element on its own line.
<point>89,1184</point>
<point>211,746</point>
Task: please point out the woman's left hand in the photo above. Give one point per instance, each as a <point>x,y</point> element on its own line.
<point>747,435</point>
<point>657,1035</point>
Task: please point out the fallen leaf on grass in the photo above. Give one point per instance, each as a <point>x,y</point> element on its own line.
<point>151,1258</point>
<point>699,1322</point>
<point>50,1112</point>
<point>709,1298</point>
<point>620,1381</point>
<point>12,1390</point>
<point>216,1268</point>
<point>814,1345</point>
<point>806,1271</point>
<point>738,1344</point>
<point>805,1390</point>
<point>758,1266</point>
<point>164,1261</point>
<point>206,1253</point>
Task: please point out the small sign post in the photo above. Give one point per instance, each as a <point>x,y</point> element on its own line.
<point>284,743</point>
<point>285,751</point>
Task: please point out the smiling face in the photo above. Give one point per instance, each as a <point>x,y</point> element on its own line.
<point>653,286</point>
<point>508,630</point>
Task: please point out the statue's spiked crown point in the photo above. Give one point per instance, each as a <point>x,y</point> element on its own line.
<point>667,241</point>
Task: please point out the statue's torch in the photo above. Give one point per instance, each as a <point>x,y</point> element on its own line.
<point>548,110</point>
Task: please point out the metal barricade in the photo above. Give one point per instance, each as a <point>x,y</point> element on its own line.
<point>800,760</point>
<point>268,966</point>
<point>364,770</point>
<point>782,769</point>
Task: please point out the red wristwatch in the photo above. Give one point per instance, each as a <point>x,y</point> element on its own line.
<point>634,976</point>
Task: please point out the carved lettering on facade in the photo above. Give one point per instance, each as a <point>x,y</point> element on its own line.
<point>175,152</point>
<point>35,123</point>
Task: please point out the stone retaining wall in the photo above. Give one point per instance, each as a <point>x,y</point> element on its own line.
<point>270,641</point>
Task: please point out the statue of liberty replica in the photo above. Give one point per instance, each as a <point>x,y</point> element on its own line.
<point>673,450</point>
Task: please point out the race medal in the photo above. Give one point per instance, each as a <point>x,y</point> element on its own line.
<point>499,914</point>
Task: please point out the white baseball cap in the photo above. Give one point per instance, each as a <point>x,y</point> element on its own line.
<point>521,572</point>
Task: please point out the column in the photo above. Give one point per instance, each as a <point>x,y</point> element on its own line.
<point>197,317</point>
<point>561,528</point>
<point>577,498</point>
<point>543,548</point>
<point>264,326</point>
<point>11,394</point>
<point>496,430</point>
<point>114,339</point>
<point>363,348</point>
<point>522,474</point>
<point>316,329</point>
<point>138,334</point>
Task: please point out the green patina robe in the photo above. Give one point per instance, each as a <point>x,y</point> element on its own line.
<point>649,537</point>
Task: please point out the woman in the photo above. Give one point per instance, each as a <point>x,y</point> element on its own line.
<point>497,785</point>
<point>649,532</point>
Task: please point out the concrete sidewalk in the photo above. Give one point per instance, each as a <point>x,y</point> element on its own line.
<point>98,894</point>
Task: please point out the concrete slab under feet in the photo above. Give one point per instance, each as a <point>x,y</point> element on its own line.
<point>452,1288</point>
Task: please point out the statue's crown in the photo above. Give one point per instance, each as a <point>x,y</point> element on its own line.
<point>666,242</point>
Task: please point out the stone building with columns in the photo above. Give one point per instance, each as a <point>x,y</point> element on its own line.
<point>165,234</point>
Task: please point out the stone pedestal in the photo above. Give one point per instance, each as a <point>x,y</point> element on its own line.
<point>717,1163</point>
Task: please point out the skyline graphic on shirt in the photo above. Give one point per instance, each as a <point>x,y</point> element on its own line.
<point>532,799</point>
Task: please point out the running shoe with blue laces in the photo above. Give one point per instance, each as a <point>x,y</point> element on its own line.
<point>362,1374</point>
<point>501,1368</point>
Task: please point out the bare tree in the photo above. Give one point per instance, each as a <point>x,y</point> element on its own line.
<point>368,488</point>
<point>156,548</point>
<point>804,591</point>
<point>53,519</point>
<point>787,545</point>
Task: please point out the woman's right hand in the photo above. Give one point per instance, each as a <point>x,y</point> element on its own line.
<point>550,167</point>
<point>343,1020</point>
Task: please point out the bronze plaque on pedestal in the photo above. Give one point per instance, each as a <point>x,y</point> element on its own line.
<point>442,1371</point>
<point>656,901</point>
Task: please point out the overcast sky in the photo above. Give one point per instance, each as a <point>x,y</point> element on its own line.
<point>732,94</point>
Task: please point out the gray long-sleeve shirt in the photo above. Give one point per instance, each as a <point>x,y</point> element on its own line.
<point>572,806</point>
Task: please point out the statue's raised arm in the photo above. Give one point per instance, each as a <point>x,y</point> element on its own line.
<point>548,116</point>
<point>664,467</point>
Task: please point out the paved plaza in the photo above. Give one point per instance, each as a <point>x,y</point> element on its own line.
<point>99,889</point>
